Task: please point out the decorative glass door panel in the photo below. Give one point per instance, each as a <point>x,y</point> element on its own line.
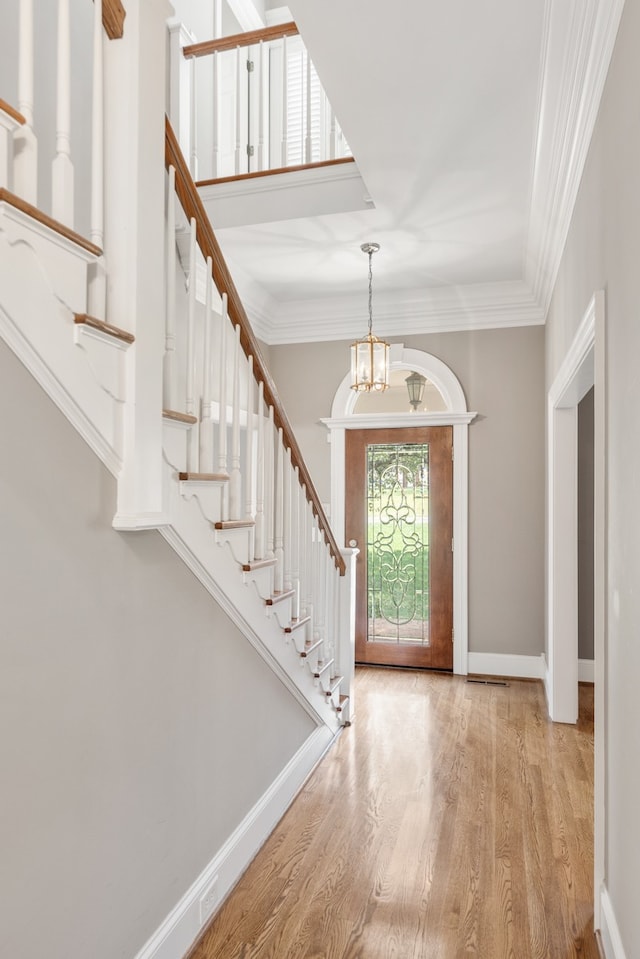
<point>399,509</point>
<point>397,543</point>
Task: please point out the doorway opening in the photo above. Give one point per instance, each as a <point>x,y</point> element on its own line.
<point>452,413</point>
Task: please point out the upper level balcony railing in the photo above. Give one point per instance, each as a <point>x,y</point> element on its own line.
<point>255,104</point>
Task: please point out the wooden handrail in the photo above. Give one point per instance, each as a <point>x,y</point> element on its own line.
<point>276,171</point>
<point>193,207</point>
<point>113,14</point>
<point>240,40</point>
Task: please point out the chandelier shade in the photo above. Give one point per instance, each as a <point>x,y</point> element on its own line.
<point>370,355</point>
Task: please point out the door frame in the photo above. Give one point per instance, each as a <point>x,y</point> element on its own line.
<point>584,366</point>
<point>456,415</point>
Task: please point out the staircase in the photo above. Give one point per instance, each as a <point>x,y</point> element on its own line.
<point>179,407</point>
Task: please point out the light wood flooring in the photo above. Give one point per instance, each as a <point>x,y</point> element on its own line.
<point>451,820</point>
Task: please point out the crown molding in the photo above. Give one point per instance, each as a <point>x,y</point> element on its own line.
<point>438,310</point>
<point>579,38</point>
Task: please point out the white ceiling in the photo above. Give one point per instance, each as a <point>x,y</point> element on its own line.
<point>469,121</point>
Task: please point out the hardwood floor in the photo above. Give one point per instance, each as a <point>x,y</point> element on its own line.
<point>451,820</point>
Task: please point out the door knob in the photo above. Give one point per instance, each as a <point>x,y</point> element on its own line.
<point>353,543</point>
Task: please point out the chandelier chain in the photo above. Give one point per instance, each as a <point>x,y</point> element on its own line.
<point>370,293</point>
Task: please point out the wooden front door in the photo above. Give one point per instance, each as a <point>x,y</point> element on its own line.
<point>399,512</point>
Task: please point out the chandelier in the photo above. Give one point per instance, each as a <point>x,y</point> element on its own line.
<point>370,356</point>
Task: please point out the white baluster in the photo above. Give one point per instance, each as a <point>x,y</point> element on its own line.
<point>260,469</point>
<point>298,603</point>
<point>278,537</point>
<point>168,382</point>
<point>261,93</point>
<point>295,543</point>
<point>25,145</point>
<point>332,134</point>
<point>285,103</point>
<point>235,479</point>
<point>97,272</point>
<point>62,170</point>
<point>321,601</point>
<point>206,422</point>
<point>307,142</point>
<point>190,408</point>
<point>217,93</point>
<point>313,576</point>
<point>238,154</point>
<point>269,492</point>
<point>286,521</point>
<point>222,409</point>
<point>193,160</point>
<point>222,417</point>
<point>248,497</point>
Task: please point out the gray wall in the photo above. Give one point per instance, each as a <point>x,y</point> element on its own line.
<point>502,374</point>
<point>602,252</point>
<point>585,526</point>
<point>137,725</point>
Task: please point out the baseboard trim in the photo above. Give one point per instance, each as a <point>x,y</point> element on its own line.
<point>586,671</point>
<point>182,927</point>
<point>611,938</point>
<point>507,664</point>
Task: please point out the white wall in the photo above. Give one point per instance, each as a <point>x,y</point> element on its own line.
<point>602,252</point>
<point>137,725</point>
<point>502,373</point>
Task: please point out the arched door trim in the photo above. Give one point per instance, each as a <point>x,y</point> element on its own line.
<point>456,415</point>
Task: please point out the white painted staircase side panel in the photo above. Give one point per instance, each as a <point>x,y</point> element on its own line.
<point>41,287</point>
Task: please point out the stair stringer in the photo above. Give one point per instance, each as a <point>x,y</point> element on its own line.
<point>192,536</point>
<point>43,282</point>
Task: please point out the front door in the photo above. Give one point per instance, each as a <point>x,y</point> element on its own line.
<point>399,512</point>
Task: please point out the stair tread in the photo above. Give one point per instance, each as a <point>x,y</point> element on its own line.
<point>297,624</point>
<point>179,417</point>
<point>334,684</point>
<point>310,647</point>
<point>84,319</point>
<point>280,597</point>
<point>203,477</point>
<point>343,702</point>
<point>258,564</point>
<point>322,667</point>
<point>234,524</point>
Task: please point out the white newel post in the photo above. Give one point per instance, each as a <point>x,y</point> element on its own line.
<point>62,169</point>
<point>97,292</point>
<point>206,419</point>
<point>135,248</point>
<point>25,145</point>
<point>345,640</point>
